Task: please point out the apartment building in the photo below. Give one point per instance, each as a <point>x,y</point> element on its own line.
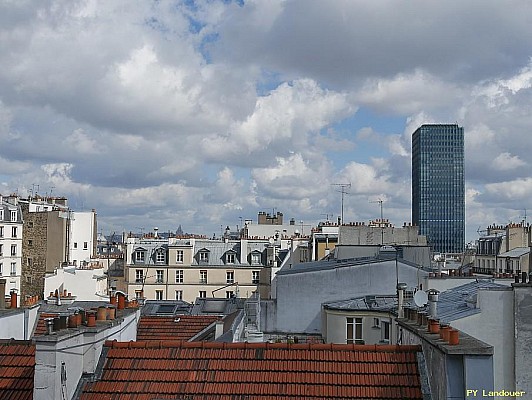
<point>504,249</point>
<point>187,268</point>
<point>11,225</point>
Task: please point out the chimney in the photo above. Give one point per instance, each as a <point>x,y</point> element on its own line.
<point>400,299</point>
<point>13,299</point>
<point>219,330</point>
<point>433,295</point>
<point>156,231</point>
<point>2,294</point>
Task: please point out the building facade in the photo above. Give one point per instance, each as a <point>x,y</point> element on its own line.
<point>188,268</point>
<point>82,237</point>
<point>438,186</point>
<point>10,242</point>
<point>45,241</point>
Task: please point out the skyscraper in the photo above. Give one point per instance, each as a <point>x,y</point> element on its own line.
<point>438,186</point>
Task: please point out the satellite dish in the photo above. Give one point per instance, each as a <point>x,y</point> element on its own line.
<point>421,298</point>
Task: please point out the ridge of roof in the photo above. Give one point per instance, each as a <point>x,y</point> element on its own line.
<point>153,344</point>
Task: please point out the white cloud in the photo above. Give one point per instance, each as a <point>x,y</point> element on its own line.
<point>505,161</point>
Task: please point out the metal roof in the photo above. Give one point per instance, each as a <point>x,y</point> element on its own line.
<point>517,252</point>
<point>461,301</point>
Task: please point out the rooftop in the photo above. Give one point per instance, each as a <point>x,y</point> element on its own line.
<point>331,264</point>
<point>461,301</point>
<point>17,366</point>
<point>179,370</point>
<point>182,327</point>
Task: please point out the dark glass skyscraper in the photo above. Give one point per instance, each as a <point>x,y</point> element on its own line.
<point>438,186</point>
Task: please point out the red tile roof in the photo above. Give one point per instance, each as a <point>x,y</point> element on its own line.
<point>17,367</point>
<point>40,329</point>
<point>211,370</point>
<point>182,327</point>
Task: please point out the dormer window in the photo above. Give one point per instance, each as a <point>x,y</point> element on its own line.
<point>230,257</point>
<point>160,256</point>
<point>255,258</point>
<point>139,255</point>
<point>13,216</point>
<point>203,256</point>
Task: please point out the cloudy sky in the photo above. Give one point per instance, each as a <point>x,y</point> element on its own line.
<point>199,113</point>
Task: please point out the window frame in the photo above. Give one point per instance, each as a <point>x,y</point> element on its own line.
<point>229,277</point>
<point>159,276</point>
<point>203,276</point>
<point>179,276</point>
<point>255,277</point>
<point>179,256</point>
<point>139,276</point>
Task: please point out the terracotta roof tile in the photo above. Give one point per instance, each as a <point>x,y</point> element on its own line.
<point>40,329</point>
<point>255,371</point>
<point>17,367</point>
<point>182,327</point>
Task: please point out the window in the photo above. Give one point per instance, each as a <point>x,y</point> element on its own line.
<point>385,331</point>
<point>230,258</point>
<point>13,249</point>
<point>75,245</point>
<point>1,250</point>
<point>202,294</point>
<point>29,279</point>
<point>13,216</point>
<point>139,276</point>
<point>376,323</point>
<point>229,294</point>
<point>13,231</point>
<point>139,256</point>
<point>179,276</point>
<point>255,277</point>
<point>30,242</point>
<point>13,269</point>
<point>203,276</point>
<point>179,295</point>
<point>159,276</point>
<point>1,269</point>
<point>354,330</point>
<point>30,224</point>
<point>255,258</point>
<point>179,256</point>
<point>1,231</point>
<point>29,261</point>
<point>203,256</point>
<point>158,295</point>
<point>160,256</point>
<point>85,245</point>
<point>230,277</point>
<point>138,294</point>
<point>1,214</point>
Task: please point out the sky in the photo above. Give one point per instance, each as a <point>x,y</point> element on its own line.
<point>203,113</point>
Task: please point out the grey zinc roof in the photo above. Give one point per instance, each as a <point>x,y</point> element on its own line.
<point>331,264</point>
<point>371,302</point>
<point>217,251</point>
<point>460,302</point>
<point>517,252</point>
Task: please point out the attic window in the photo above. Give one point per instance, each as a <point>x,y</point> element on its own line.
<point>230,258</point>
<point>160,256</point>
<point>203,256</point>
<point>255,258</point>
<point>140,256</point>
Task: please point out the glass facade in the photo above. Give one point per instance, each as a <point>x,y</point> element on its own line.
<point>438,186</point>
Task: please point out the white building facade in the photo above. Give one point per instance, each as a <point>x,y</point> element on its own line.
<point>83,238</point>
<point>11,225</point>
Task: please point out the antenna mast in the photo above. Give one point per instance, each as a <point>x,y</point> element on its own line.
<point>343,189</point>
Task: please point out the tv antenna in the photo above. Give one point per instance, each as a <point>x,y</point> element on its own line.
<point>343,190</point>
<point>380,201</point>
